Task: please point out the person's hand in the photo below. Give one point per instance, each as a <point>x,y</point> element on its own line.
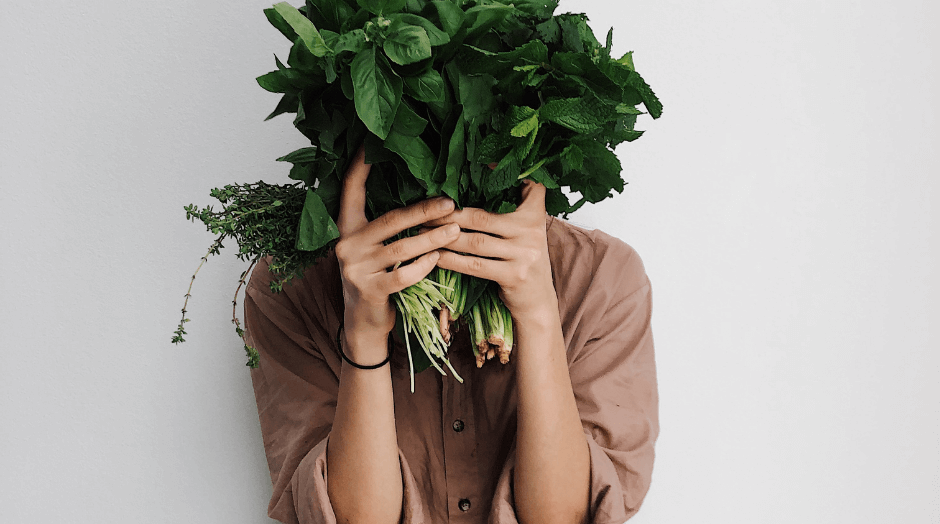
<point>364,259</point>
<point>510,249</point>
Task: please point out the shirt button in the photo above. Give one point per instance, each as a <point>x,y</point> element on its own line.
<point>464,504</point>
<point>458,426</point>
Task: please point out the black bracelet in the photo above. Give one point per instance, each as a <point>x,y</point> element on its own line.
<point>339,344</point>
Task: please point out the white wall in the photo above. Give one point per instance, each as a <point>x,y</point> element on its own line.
<point>781,206</point>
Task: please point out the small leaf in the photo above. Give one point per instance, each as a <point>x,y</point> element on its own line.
<point>452,17</point>
<point>316,228</point>
<point>287,104</point>
<point>416,153</point>
<point>407,44</point>
<point>527,126</point>
<point>304,28</point>
<point>304,154</point>
<point>456,158</point>
<point>278,22</point>
<point>382,7</point>
<point>283,81</point>
<point>353,41</point>
<point>435,35</point>
<point>428,87</point>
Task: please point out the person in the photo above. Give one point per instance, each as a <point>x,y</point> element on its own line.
<point>564,432</point>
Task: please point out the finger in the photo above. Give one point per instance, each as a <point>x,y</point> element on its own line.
<point>533,196</point>
<point>412,247</point>
<point>406,276</point>
<point>494,270</point>
<point>477,219</point>
<point>483,245</point>
<point>352,211</point>
<point>398,220</point>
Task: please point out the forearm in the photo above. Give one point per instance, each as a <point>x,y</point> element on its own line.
<point>552,473</point>
<point>365,482</point>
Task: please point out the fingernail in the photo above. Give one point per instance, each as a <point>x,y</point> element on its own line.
<point>445,204</point>
<point>452,229</point>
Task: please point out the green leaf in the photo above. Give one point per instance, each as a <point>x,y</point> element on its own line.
<point>377,91</point>
<point>407,122</point>
<point>435,35</point>
<point>601,172</point>
<point>537,8</point>
<point>652,103</point>
<point>482,18</point>
<point>503,177</point>
<point>304,28</point>
<point>407,44</point>
<point>300,57</point>
<point>542,176</point>
<point>452,17</point>
<point>283,81</point>
<point>506,207</point>
<point>304,173</point>
<point>415,152</point>
<point>456,158</point>
<point>304,154</point>
<point>583,115</point>
<point>627,60</point>
<point>287,104</point>
<point>572,159</point>
<point>353,41</point>
<point>316,228</point>
<point>526,126</point>
<point>549,31</point>
<point>278,22</point>
<point>382,7</point>
<point>428,87</point>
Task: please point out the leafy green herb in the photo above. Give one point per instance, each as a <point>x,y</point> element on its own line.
<point>436,91</point>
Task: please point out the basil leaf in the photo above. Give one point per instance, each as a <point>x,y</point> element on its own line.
<point>283,81</point>
<point>353,41</point>
<point>287,104</point>
<point>428,87</point>
<point>407,44</point>
<point>316,228</point>
<point>416,153</point>
<point>452,17</point>
<point>407,122</point>
<point>278,21</point>
<point>381,7</point>
<point>377,91</point>
<point>435,35</point>
<point>303,27</point>
<point>304,154</point>
<point>456,158</point>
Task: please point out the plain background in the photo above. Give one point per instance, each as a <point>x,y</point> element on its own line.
<point>781,205</point>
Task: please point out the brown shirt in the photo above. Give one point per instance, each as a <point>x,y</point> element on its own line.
<point>457,441</point>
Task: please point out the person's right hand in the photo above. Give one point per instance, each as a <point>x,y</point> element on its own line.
<point>364,260</point>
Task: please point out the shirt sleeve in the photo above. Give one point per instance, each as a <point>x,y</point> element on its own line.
<point>296,385</point>
<point>613,376</point>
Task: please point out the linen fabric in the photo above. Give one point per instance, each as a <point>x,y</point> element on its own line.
<point>457,441</point>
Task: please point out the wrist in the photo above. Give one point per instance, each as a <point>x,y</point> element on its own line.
<point>542,317</point>
<point>365,348</point>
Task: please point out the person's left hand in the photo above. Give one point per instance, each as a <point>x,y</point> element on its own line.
<point>510,249</point>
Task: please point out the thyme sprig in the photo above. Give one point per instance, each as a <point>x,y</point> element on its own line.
<point>262,219</point>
